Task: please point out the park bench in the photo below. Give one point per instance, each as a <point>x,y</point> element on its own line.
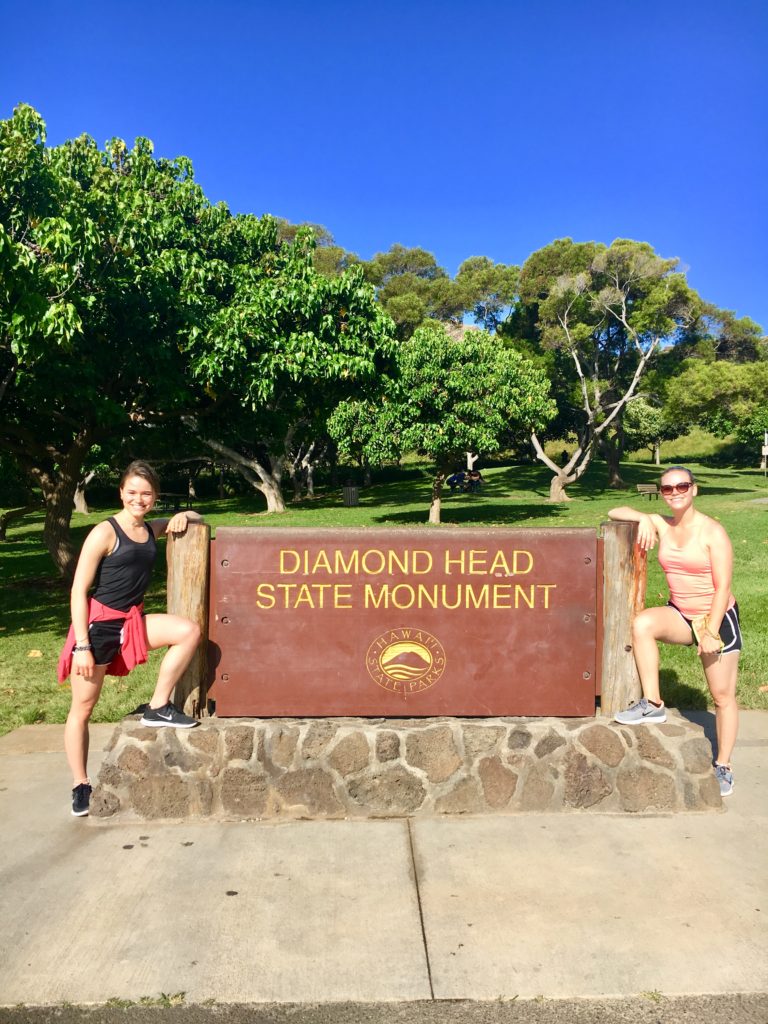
<point>651,490</point>
<point>169,502</point>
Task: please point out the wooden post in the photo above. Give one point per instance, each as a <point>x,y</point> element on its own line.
<point>624,578</point>
<point>188,556</point>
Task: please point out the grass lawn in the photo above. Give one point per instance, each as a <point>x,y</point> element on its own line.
<point>34,612</point>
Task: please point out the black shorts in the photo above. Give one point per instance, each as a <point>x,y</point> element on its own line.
<point>730,630</point>
<point>105,638</point>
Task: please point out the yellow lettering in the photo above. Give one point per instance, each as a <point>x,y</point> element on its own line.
<point>444,596</point>
<point>502,595</point>
<point>500,565</point>
<point>517,557</point>
<point>321,562</point>
<point>520,593</point>
<point>370,557</point>
<point>546,587</point>
<point>265,596</point>
<point>370,599</point>
<point>350,567</point>
<point>408,600</point>
<point>342,592</point>
<point>426,559</point>
<point>477,600</point>
<point>285,568</point>
<point>478,562</point>
<point>428,595</point>
<point>460,561</point>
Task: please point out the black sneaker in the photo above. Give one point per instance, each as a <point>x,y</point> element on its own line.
<point>167,715</point>
<point>81,799</point>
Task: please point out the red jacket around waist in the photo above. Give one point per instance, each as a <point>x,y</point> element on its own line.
<point>133,648</point>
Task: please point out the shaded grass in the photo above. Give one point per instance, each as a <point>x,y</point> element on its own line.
<point>34,605</point>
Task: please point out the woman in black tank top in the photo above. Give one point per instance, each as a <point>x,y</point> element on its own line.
<point>114,570</point>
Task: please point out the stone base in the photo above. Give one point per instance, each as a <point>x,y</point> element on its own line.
<point>235,769</point>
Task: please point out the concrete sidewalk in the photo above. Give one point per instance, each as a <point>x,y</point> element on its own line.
<point>481,908</point>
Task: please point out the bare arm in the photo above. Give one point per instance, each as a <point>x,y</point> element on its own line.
<point>97,545</point>
<point>721,557</point>
<point>176,524</point>
<point>649,525</point>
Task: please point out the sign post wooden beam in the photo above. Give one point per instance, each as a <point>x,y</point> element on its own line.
<point>624,580</point>
<point>188,556</point>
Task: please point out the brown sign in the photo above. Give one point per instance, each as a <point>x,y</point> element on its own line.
<point>404,623</point>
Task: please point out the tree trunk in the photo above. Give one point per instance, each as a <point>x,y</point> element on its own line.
<point>367,479</point>
<point>437,490</point>
<point>273,494</point>
<point>657,453</point>
<point>557,487</point>
<point>56,537</point>
<point>81,502</point>
<point>257,475</point>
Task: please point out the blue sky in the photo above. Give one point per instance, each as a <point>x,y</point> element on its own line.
<point>467,128</point>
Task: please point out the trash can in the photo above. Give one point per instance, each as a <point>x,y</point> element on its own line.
<point>351,495</point>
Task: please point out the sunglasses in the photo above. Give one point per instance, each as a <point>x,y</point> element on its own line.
<point>676,488</point>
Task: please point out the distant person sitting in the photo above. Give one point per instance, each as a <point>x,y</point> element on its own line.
<point>457,481</point>
<point>475,481</point>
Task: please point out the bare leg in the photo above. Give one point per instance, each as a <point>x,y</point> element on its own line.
<point>85,694</point>
<point>648,628</point>
<point>181,636</point>
<point>721,676</point>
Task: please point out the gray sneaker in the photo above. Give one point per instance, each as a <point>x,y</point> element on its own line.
<point>641,712</point>
<point>724,776</point>
<point>167,715</point>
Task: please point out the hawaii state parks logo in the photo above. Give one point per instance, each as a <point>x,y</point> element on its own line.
<point>405,661</point>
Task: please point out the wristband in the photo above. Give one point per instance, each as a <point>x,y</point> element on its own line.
<point>79,648</point>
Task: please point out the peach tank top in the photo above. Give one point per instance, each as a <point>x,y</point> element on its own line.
<point>689,575</point>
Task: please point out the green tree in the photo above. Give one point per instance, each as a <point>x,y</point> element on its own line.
<point>104,272</point>
<point>724,397</point>
<point>606,311</point>
<point>447,397</point>
<point>288,345</point>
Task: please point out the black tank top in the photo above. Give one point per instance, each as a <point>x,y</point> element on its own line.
<point>123,576</point>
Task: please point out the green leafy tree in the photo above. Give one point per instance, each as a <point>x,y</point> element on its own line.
<point>105,269</point>
<point>724,397</point>
<point>287,346</point>
<point>487,290</point>
<point>446,397</point>
<point>606,311</point>
<point>646,426</point>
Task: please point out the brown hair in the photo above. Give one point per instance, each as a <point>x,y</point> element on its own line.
<point>682,469</point>
<point>145,471</point>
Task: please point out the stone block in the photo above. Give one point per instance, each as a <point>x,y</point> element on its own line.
<point>643,789</point>
<point>434,752</point>
<point>205,740</point>
<point>387,746</point>
<point>143,733</point>
<point>464,798</point>
<point>238,742</point>
<point>548,744</point>
<point>317,739</point>
<point>499,783</point>
<point>105,803</point>
<point>160,796</point>
<point>585,783</point>
<point>603,743</point>
<point>243,793</point>
<point>538,789</point>
<point>391,791</point>
<point>282,745</point>
<point>132,759</point>
<point>351,754</point>
<point>697,755</point>
<point>310,790</point>
<point>667,729</point>
<point>709,792</point>
<point>481,739</point>
<point>651,748</point>
<point>519,739</point>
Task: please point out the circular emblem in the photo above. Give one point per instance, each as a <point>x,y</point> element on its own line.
<point>405,660</point>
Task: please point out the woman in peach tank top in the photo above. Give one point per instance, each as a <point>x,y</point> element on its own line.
<point>696,556</point>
